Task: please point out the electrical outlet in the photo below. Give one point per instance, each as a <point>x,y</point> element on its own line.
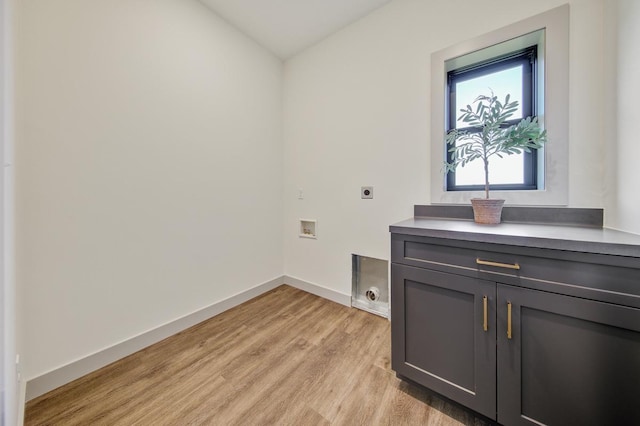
<point>366,192</point>
<point>18,369</point>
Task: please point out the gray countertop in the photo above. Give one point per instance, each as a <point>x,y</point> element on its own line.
<point>557,237</point>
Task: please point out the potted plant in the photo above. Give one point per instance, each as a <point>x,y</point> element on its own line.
<point>489,135</point>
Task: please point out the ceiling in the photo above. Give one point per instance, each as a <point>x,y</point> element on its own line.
<point>287,27</point>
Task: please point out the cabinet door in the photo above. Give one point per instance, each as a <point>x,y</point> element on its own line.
<point>439,338</point>
<point>569,361</point>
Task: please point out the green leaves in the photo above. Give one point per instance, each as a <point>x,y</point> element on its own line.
<point>492,135</point>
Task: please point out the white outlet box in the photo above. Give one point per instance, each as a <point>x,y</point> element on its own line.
<point>308,228</point>
<point>366,192</point>
<point>18,368</point>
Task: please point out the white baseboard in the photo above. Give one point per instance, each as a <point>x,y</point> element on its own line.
<point>22,395</point>
<point>74,370</point>
<point>318,290</point>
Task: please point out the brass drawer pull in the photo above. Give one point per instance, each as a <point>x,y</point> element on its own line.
<point>485,323</point>
<point>498,265</point>
<point>509,335</point>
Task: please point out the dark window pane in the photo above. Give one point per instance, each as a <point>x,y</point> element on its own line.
<point>512,74</point>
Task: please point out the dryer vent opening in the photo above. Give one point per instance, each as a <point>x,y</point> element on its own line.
<point>373,294</point>
<point>370,284</point>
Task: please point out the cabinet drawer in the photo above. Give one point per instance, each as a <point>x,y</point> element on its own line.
<point>555,271</point>
<point>453,256</point>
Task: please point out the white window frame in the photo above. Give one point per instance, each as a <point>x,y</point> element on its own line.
<point>553,161</point>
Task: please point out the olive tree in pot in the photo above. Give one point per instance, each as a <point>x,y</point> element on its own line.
<point>489,134</point>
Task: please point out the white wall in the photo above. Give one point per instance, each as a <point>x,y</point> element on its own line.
<point>357,113</point>
<point>150,162</point>
<point>10,387</point>
<point>149,170</point>
<point>609,116</point>
<point>625,171</point>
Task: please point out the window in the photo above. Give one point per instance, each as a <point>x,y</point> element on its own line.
<point>545,179</point>
<point>514,73</point>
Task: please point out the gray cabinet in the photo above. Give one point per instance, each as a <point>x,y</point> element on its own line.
<point>444,335</point>
<point>568,361</point>
<point>522,336</point>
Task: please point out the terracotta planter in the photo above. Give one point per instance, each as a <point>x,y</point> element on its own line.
<point>487,211</point>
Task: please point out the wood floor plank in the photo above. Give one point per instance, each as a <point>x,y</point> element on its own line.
<point>286,358</point>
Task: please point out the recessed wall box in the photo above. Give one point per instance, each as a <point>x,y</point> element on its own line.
<point>370,284</point>
<point>308,228</point>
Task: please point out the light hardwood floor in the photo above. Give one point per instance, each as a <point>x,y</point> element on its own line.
<point>284,358</point>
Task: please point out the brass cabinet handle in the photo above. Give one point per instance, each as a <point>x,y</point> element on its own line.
<point>509,320</point>
<point>497,265</point>
<point>485,323</point>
